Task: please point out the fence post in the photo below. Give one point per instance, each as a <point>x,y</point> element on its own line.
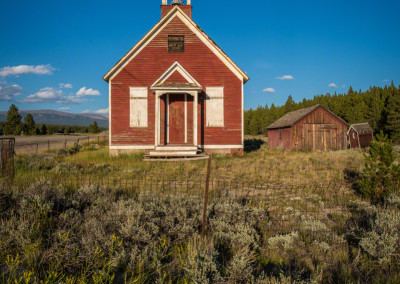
<point>78,140</point>
<point>37,148</point>
<point>48,145</point>
<point>88,140</point>
<point>203,227</point>
<point>65,145</point>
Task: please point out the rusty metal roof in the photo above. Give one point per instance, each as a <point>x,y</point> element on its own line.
<point>362,128</point>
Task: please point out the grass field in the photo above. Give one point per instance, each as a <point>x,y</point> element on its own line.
<point>303,221</point>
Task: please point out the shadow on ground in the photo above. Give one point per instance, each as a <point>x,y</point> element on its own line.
<point>352,177</point>
<point>251,145</point>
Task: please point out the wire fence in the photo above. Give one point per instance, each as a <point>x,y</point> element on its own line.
<point>56,143</point>
<point>288,208</point>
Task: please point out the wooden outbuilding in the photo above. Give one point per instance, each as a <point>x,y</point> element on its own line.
<point>313,128</point>
<point>360,135</point>
<point>176,92</point>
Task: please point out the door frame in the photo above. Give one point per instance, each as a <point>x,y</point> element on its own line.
<point>188,91</point>
<point>167,121</point>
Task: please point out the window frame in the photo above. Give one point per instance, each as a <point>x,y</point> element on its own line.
<point>132,98</point>
<point>208,99</point>
<point>168,41</point>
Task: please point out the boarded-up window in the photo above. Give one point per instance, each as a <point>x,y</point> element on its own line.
<point>215,106</point>
<point>138,107</point>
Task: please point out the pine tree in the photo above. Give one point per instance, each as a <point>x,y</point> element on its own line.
<point>393,114</point>
<point>93,128</point>
<point>12,125</point>
<point>290,105</point>
<point>29,125</point>
<point>43,130</point>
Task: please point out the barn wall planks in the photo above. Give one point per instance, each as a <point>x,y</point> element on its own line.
<point>319,130</point>
<point>280,138</point>
<point>150,64</point>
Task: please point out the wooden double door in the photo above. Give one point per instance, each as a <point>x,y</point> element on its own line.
<point>178,119</point>
<point>324,137</point>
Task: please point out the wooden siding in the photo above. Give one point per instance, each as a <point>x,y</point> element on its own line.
<point>363,139</point>
<point>187,9</point>
<point>353,137</point>
<point>150,64</point>
<point>280,138</point>
<point>319,130</point>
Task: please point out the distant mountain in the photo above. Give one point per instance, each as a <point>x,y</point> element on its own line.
<point>62,118</point>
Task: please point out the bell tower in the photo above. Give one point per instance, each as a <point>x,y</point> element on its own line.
<point>186,8</point>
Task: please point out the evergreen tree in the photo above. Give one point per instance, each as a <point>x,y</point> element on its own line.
<point>93,128</point>
<point>29,125</point>
<point>393,114</point>
<point>13,123</point>
<point>290,105</point>
<point>43,130</point>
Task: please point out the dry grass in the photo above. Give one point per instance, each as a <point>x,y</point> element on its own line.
<point>263,165</point>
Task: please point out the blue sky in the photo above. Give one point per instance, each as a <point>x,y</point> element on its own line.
<point>319,46</point>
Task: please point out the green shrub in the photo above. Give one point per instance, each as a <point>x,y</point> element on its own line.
<point>381,174</point>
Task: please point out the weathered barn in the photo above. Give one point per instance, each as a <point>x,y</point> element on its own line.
<point>313,128</point>
<point>176,92</point>
<point>360,135</point>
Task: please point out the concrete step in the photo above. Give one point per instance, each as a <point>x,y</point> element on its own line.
<point>176,148</point>
<point>165,153</point>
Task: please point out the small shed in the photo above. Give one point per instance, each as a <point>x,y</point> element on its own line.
<point>313,128</point>
<point>360,135</point>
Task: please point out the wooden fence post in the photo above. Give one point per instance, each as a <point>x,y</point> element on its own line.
<point>88,140</point>
<point>203,227</point>
<point>37,148</point>
<point>48,145</point>
<point>65,145</point>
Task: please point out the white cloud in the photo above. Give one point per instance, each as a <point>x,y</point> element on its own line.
<point>285,77</point>
<point>51,95</point>
<point>269,90</point>
<point>343,86</point>
<point>8,92</point>
<point>83,92</point>
<point>99,111</point>
<point>64,108</point>
<point>47,94</point>
<point>26,69</point>
<point>65,86</point>
<point>332,85</point>
<point>385,80</point>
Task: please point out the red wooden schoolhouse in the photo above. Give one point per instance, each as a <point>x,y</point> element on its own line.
<point>176,92</point>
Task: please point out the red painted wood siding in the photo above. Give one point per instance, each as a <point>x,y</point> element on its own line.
<point>187,9</point>
<point>151,63</point>
<point>353,138</point>
<point>277,140</point>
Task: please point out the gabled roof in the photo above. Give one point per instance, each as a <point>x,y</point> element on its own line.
<point>291,118</point>
<point>176,67</point>
<point>176,12</point>
<point>362,128</point>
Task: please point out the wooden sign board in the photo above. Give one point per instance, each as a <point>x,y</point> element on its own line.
<point>176,43</point>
